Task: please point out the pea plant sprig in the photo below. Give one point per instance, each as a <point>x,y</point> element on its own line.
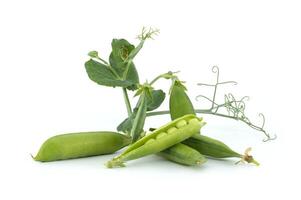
<point>120,71</point>
<point>179,140</point>
<point>235,108</point>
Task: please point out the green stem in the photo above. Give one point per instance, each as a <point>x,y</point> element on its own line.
<point>210,112</point>
<point>164,112</point>
<point>167,75</point>
<point>114,72</point>
<point>127,102</point>
<point>109,66</point>
<point>102,60</point>
<point>155,79</point>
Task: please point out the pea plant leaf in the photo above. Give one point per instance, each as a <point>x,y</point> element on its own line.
<point>156,99</point>
<point>127,124</point>
<point>118,59</point>
<point>102,75</point>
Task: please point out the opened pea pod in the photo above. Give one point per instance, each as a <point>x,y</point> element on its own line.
<point>162,138</point>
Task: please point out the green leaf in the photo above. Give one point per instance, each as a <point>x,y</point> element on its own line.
<point>156,99</point>
<point>102,75</point>
<point>153,102</point>
<point>121,49</point>
<point>119,65</point>
<point>127,124</point>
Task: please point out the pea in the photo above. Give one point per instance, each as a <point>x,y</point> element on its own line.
<point>83,144</point>
<point>161,135</point>
<point>150,141</point>
<point>183,154</point>
<point>192,120</point>
<point>215,148</point>
<point>171,130</point>
<point>181,123</point>
<point>143,148</point>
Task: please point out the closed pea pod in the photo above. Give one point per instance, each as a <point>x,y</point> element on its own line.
<point>183,154</point>
<point>83,144</point>
<point>179,102</point>
<point>216,149</point>
<point>144,147</point>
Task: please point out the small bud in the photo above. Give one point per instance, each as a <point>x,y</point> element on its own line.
<point>93,54</point>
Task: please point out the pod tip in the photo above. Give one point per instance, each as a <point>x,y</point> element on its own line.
<point>248,158</point>
<point>114,163</point>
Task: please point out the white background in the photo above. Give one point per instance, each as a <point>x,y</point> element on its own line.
<point>45,91</point>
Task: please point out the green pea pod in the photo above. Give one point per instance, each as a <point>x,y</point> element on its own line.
<point>179,105</point>
<point>83,144</point>
<point>140,116</point>
<point>183,154</point>
<point>160,139</point>
<point>216,149</point>
<point>179,102</point>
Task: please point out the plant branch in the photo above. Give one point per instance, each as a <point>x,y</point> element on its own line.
<point>167,75</point>
<point>235,108</point>
<point>127,102</point>
<point>145,34</point>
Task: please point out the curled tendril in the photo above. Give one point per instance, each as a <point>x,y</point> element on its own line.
<point>148,33</point>
<point>197,98</point>
<point>215,69</point>
<point>235,108</point>
<point>263,119</point>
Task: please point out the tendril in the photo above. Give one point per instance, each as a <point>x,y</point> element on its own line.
<point>148,33</point>
<point>235,108</point>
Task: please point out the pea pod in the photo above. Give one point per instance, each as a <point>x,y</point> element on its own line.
<point>183,154</point>
<point>162,138</point>
<point>179,102</point>
<point>179,105</point>
<point>216,149</point>
<point>83,144</point>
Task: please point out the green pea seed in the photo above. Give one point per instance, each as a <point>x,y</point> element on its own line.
<point>150,141</point>
<point>193,120</point>
<point>171,130</point>
<point>161,135</point>
<point>181,123</point>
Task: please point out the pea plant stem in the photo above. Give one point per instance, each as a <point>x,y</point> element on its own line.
<point>210,112</point>
<point>127,101</point>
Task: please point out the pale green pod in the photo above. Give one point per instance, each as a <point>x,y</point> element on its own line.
<point>183,154</point>
<point>216,149</point>
<point>83,144</point>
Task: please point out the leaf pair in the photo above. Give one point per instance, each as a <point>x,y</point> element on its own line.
<point>120,72</point>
